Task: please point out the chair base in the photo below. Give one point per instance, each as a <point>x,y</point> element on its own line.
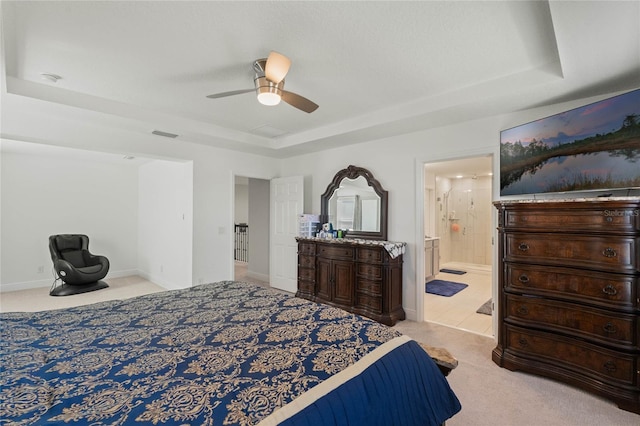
<point>69,289</point>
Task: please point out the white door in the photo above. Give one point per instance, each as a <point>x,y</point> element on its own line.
<point>287,203</point>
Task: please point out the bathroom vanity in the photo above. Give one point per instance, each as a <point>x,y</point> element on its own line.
<point>431,257</point>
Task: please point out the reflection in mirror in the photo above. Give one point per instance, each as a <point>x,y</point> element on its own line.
<point>355,206</point>
<point>356,201</point>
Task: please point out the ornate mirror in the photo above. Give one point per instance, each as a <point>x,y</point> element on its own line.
<point>355,201</point>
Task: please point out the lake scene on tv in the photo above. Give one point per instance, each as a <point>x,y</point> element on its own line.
<point>594,147</point>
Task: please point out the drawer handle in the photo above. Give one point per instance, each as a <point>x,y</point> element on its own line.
<point>610,290</point>
<point>523,310</point>
<point>610,366</point>
<point>523,342</point>
<point>523,247</point>
<point>523,279</point>
<point>609,219</point>
<point>609,328</point>
<point>609,252</point>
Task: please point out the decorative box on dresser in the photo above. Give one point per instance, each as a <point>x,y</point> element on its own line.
<point>569,306</point>
<point>359,276</point>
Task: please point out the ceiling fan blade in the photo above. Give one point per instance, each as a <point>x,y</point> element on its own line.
<point>277,67</point>
<point>299,102</point>
<point>231,93</point>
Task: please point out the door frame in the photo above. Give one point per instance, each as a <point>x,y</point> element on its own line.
<point>419,220</point>
<point>231,235</point>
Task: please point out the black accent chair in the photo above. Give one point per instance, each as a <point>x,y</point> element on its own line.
<point>79,270</point>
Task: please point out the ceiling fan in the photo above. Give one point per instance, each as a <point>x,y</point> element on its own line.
<point>269,84</point>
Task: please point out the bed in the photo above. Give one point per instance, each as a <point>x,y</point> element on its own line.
<point>216,354</point>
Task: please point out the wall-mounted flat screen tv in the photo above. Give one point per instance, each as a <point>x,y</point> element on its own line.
<point>592,148</point>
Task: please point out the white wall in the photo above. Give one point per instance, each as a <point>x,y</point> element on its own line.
<point>213,192</point>
<point>213,170</point>
<point>45,195</point>
<point>241,203</point>
<point>165,225</point>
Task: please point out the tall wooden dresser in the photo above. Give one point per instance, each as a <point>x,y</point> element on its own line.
<point>359,276</point>
<point>569,306</point>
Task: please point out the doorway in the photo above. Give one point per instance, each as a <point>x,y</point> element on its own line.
<point>251,219</point>
<point>458,218</point>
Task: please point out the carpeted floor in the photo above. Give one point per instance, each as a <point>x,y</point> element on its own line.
<point>494,396</point>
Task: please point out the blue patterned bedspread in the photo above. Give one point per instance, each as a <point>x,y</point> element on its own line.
<point>217,354</point>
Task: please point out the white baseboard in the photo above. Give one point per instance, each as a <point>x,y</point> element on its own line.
<point>121,274</point>
<point>411,314</point>
<point>161,282</point>
<point>27,285</point>
<point>258,276</point>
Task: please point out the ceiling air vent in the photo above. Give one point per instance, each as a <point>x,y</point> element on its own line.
<point>268,131</point>
<point>165,134</point>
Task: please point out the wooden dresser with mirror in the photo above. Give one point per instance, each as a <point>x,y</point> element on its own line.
<point>363,272</point>
<point>569,302</point>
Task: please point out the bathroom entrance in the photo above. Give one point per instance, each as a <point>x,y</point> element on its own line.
<point>458,227</point>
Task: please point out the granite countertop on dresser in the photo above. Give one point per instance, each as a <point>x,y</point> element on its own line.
<point>394,249</point>
<point>569,200</point>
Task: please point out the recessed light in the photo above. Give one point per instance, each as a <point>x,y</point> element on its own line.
<point>52,78</point>
<point>459,177</point>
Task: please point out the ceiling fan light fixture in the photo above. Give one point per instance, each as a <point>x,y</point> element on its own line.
<point>269,98</point>
<point>269,93</point>
<point>269,84</point>
<point>277,66</point>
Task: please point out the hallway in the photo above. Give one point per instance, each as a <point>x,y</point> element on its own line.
<point>459,310</point>
<point>241,275</point>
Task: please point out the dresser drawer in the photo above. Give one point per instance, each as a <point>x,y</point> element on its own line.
<point>369,303</point>
<point>337,251</point>
<point>616,291</point>
<point>371,255</point>
<point>590,218</point>
<point>373,272</point>
<point>582,358</point>
<point>598,325</point>
<point>306,261</point>
<point>307,274</point>
<point>371,287</point>
<point>306,288</point>
<point>308,249</point>
<point>616,254</point>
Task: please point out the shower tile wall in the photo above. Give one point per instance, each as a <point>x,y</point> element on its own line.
<point>463,220</point>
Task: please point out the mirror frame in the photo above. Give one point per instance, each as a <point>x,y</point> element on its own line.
<point>353,172</point>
